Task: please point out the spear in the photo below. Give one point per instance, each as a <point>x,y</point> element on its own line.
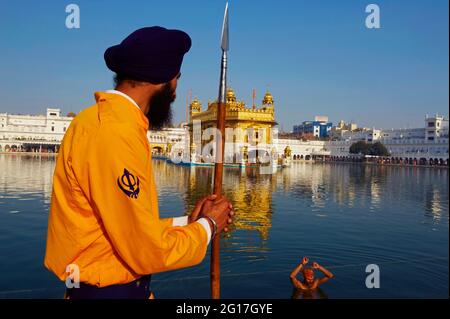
<point>220,146</point>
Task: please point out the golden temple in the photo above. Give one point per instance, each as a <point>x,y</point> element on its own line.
<point>246,128</point>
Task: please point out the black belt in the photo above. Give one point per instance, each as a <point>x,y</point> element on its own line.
<point>137,289</point>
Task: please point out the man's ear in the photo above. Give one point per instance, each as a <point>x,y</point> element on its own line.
<point>150,88</point>
<point>155,87</point>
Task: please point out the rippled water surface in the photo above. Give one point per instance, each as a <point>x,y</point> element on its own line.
<point>344,216</point>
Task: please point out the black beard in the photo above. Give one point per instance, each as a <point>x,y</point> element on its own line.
<point>160,113</point>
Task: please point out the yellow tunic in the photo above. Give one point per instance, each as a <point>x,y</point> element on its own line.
<point>104,209</point>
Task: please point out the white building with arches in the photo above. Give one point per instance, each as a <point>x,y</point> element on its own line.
<point>17,130</point>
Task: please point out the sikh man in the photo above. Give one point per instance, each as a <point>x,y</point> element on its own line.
<point>104,227</point>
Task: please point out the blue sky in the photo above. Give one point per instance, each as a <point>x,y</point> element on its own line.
<point>316,57</point>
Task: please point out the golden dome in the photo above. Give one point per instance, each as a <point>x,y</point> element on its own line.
<point>196,105</point>
<point>268,99</point>
<point>231,96</point>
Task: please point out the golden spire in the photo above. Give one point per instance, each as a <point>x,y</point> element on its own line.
<point>268,99</point>
<point>231,96</point>
<point>196,106</point>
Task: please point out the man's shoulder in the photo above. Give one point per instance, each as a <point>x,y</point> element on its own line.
<point>89,126</point>
<point>88,117</point>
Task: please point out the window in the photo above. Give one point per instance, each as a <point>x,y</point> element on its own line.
<point>430,124</point>
<point>53,128</point>
<point>430,138</point>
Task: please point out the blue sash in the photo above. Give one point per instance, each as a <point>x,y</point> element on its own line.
<point>137,289</point>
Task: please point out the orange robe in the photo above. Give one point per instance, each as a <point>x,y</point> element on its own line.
<point>104,209</point>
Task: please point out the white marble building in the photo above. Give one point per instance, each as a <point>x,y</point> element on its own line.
<point>302,150</point>
<point>17,130</point>
<point>401,148</point>
<point>434,128</point>
<point>170,141</point>
<point>428,142</point>
<point>48,127</point>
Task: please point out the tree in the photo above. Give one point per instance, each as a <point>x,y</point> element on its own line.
<point>360,147</point>
<point>378,149</point>
<point>364,148</point>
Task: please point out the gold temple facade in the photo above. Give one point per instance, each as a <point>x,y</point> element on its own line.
<point>247,129</point>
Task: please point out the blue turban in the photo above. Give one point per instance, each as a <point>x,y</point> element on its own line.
<point>151,54</point>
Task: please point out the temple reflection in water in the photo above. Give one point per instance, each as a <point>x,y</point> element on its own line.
<point>324,189</point>
<point>250,193</point>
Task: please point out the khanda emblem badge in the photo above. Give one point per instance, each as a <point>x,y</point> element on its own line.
<point>129,184</point>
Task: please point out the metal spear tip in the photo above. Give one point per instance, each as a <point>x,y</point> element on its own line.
<point>224,44</point>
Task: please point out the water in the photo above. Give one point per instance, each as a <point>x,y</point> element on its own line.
<point>344,216</point>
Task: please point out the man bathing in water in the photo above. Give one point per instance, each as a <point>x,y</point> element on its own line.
<point>310,283</point>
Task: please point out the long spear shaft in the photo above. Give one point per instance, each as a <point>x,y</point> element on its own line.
<point>220,148</point>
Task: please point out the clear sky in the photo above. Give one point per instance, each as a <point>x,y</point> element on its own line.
<point>316,56</point>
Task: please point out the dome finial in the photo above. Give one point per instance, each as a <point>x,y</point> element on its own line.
<point>231,96</point>
<point>268,99</point>
<point>196,106</point>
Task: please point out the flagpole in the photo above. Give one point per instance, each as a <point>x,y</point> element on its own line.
<point>220,147</point>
